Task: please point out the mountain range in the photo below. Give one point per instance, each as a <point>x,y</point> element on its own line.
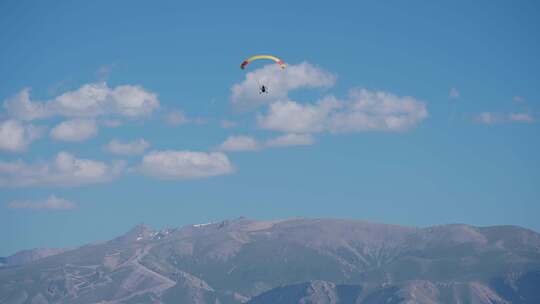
<point>284,261</point>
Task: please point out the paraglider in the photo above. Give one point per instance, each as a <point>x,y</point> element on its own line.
<point>257,57</point>
<point>262,88</point>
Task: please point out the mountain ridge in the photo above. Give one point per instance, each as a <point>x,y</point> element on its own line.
<point>241,260</point>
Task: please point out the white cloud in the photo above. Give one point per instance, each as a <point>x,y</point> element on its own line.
<point>90,100</point>
<point>130,148</point>
<point>454,93</point>
<point>75,130</point>
<point>293,117</point>
<point>21,107</point>
<point>183,165</point>
<point>239,143</point>
<point>227,124</point>
<point>521,117</point>
<point>64,170</point>
<point>364,111</point>
<point>489,118</point>
<point>51,203</point>
<point>175,118</point>
<point>246,143</point>
<point>15,137</point>
<point>290,139</point>
<point>378,110</point>
<point>279,82</point>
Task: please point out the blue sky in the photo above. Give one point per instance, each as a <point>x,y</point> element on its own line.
<point>408,113</point>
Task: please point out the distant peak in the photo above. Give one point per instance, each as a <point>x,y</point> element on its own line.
<point>137,233</point>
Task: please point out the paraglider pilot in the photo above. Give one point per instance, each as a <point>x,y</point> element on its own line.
<point>263,89</point>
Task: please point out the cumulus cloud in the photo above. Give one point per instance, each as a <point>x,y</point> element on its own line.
<point>90,100</point>
<point>51,203</point>
<point>280,82</point>
<point>21,107</point>
<point>129,148</point>
<point>454,93</point>
<point>182,165</point>
<point>291,139</point>
<point>378,110</point>
<point>64,170</point>
<point>75,130</point>
<point>364,111</point>
<point>15,136</point>
<point>293,117</point>
<point>239,143</point>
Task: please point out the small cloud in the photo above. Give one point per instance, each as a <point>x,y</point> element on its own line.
<point>290,140</point>
<point>75,130</point>
<point>521,117</point>
<point>15,136</point>
<point>244,143</point>
<point>64,170</point>
<point>454,93</point>
<point>239,143</point>
<point>487,118</point>
<point>130,148</point>
<point>227,124</point>
<point>51,203</point>
<point>490,118</point>
<point>183,165</point>
<point>175,118</point>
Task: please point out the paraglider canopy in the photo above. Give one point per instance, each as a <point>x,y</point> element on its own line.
<point>269,57</point>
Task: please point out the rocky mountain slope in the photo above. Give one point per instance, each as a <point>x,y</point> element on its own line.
<point>288,261</point>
